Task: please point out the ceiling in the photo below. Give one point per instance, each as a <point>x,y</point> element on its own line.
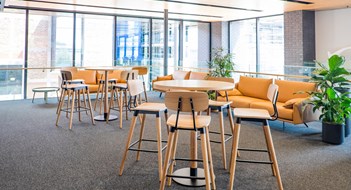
<point>204,10</point>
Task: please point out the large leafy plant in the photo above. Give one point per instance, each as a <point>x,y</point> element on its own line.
<point>221,64</point>
<point>331,98</point>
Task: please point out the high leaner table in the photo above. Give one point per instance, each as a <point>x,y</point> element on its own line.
<point>202,85</point>
<point>106,70</point>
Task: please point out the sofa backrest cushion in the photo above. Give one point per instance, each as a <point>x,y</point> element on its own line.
<point>181,75</point>
<point>254,87</point>
<point>287,89</point>
<point>198,76</point>
<point>88,76</point>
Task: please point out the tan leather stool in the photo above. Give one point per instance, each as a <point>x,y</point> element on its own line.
<point>73,91</point>
<point>261,115</point>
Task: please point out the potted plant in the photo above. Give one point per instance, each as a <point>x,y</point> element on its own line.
<point>221,65</point>
<point>330,98</point>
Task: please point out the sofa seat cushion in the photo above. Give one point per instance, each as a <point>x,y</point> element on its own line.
<point>93,88</point>
<point>284,113</point>
<point>288,89</point>
<point>254,87</point>
<point>198,76</point>
<point>181,75</point>
<point>266,104</point>
<point>88,76</point>
<point>243,101</point>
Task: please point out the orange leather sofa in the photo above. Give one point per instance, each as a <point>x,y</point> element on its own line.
<point>92,78</point>
<point>251,92</point>
<point>181,75</point>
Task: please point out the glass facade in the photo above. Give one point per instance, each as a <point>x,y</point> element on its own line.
<point>94,40</point>
<point>258,44</point>
<point>12,52</point>
<point>196,44</point>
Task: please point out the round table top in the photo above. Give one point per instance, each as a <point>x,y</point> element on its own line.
<point>193,85</point>
<point>45,89</point>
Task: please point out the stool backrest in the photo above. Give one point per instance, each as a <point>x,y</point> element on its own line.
<point>272,95</point>
<point>199,100</point>
<point>135,87</point>
<point>142,70</point>
<point>66,75</point>
<point>129,75</point>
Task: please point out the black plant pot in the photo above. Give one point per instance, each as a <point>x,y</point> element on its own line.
<point>333,133</point>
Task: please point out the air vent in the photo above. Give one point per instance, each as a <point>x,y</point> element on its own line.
<point>297,1</point>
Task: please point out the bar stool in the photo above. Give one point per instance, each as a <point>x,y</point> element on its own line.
<point>121,89</point>
<point>66,78</point>
<point>101,92</point>
<point>261,115</point>
<point>220,106</point>
<point>135,89</point>
<point>73,91</point>
<point>192,102</point>
<point>142,70</point>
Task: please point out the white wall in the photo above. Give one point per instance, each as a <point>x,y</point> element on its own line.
<point>333,33</point>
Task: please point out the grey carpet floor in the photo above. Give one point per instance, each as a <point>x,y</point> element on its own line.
<point>35,154</point>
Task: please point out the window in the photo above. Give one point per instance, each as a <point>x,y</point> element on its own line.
<point>243,44</point>
<point>94,40</point>
<point>271,43</point>
<point>196,44</point>
<point>50,44</point>
<point>157,46</point>
<point>12,40</point>
<point>266,54</point>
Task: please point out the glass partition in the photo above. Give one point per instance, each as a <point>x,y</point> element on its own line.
<point>196,44</point>
<point>12,52</point>
<point>94,40</point>
<point>243,44</point>
<point>50,44</point>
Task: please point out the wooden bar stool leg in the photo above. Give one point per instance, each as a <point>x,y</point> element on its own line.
<point>205,158</point>
<point>72,109</point>
<point>121,109</point>
<point>167,158</point>
<point>221,128</point>
<point>102,99</point>
<point>126,103</point>
<point>141,135</point>
<point>269,152</point>
<point>267,132</point>
<point>61,98</point>
<point>173,153</point>
<point>166,118</point>
<point>79,115</point>
<point>68,101</point>
<point>64,92</point>
<point>131,131</point>
<point>213,183</point>
<point>90,107</point>
<point>110,105</point>
<point>84,101</point>
<point>234,152</point>
<point>159,144</point>
<point>97,96</point>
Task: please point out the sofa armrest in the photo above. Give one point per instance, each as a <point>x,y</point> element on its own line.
<point>161,78</point>
<point>304,111</point>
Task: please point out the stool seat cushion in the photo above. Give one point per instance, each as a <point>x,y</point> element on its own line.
<point>147,106</point>
<point>186,121</point>
<point>120,85</point>
<point>251,113</point>
<point>75,86</point>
